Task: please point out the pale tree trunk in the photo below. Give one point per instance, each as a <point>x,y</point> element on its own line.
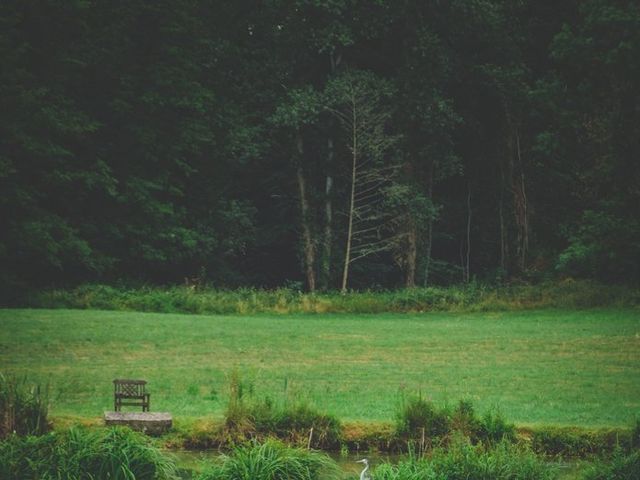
<point>307,239</point>
<point>518,189</point>
<point>327,237</point>
<point>352,196</point>
<point>467,274</point>
<point>521,209</point>
<point>427,264</point>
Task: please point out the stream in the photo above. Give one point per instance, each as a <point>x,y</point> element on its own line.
<point>191,462</point>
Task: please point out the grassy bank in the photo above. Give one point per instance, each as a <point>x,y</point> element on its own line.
<point>567,294</point>
<point>549,367</point>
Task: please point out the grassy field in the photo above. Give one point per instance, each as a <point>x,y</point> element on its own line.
<point>537,367</point>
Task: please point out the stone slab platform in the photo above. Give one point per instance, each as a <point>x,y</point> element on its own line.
<point>152,423</point>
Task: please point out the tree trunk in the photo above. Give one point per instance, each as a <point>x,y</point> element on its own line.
<point>427,264</point>
<point>503,228</point>
<point>352,197</point>
<point>521,210</point>
<point>467,275</point>
<point>327,237</point>
<point>411,256</point>
<point>307,239</point>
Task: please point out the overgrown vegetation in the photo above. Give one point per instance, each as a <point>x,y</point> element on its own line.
<point>24,407</point>
<point>251,417</point>
<point>472,297</point>
<point>620,467</point>
<point>271,461</point>
<point>78,454</point>
<point>463,461</point>
<point>420,422</point>
<point>580,443</point>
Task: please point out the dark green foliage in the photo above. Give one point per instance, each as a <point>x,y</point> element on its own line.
<point>419,417</point>
<point>620,467</point>
<point>575,442</point>
<point>494,428</point>
<point>79,454</point>
<point>204,300</point>
<point>157,142</point>
<point>23,407</point>
<point>635,435</point>
<point>421,422</point>
<point>271,461</point>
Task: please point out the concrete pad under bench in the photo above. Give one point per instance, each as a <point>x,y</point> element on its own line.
<point>152,423</point>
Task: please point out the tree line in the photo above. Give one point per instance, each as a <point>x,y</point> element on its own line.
<point>319,144</point>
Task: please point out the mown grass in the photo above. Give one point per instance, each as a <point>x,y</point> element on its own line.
<point>548,367</point>
<point>246,301</point>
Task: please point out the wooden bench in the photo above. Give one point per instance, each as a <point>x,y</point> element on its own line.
<point>130,393</point>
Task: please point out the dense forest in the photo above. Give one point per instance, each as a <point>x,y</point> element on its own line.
<point>318,144</point>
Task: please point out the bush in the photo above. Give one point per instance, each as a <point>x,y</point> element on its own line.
<point>23,407</point>
<point>271,461</point>
<point>494,428</point>
<point>418,416</point>
<point>78,455</point>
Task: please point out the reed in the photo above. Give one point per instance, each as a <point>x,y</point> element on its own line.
<point>23,407</point>
<point>78,454</point>
<point>271,460</point>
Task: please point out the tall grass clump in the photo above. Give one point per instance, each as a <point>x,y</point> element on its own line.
<point>621,466</point>
<point>420,422</point>
<point>23,407</point>
<point>463,461</point>
<point>271,461</point>
<point>419,418</point>
<point>118,454</point>
<point>247,417</point>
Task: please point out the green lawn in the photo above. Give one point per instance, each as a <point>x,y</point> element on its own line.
<point>537,367</point>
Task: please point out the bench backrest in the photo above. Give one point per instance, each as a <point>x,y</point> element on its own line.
<point>129,388</point>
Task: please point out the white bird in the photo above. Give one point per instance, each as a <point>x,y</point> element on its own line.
<point>364,474</point>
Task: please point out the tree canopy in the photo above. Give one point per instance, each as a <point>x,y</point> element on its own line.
<point>157,141</point>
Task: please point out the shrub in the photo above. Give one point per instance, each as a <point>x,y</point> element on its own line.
<point>494,428</point>
<point>76,454</point>
<point>418,415</point>
<point>23,407</point>
<point>271,461</point>
<point>464,421</point>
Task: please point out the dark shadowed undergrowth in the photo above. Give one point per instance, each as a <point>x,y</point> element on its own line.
<point>23,407</point>
<point>78,454</point>
<point>620,466</point>
<point>208,300</point>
